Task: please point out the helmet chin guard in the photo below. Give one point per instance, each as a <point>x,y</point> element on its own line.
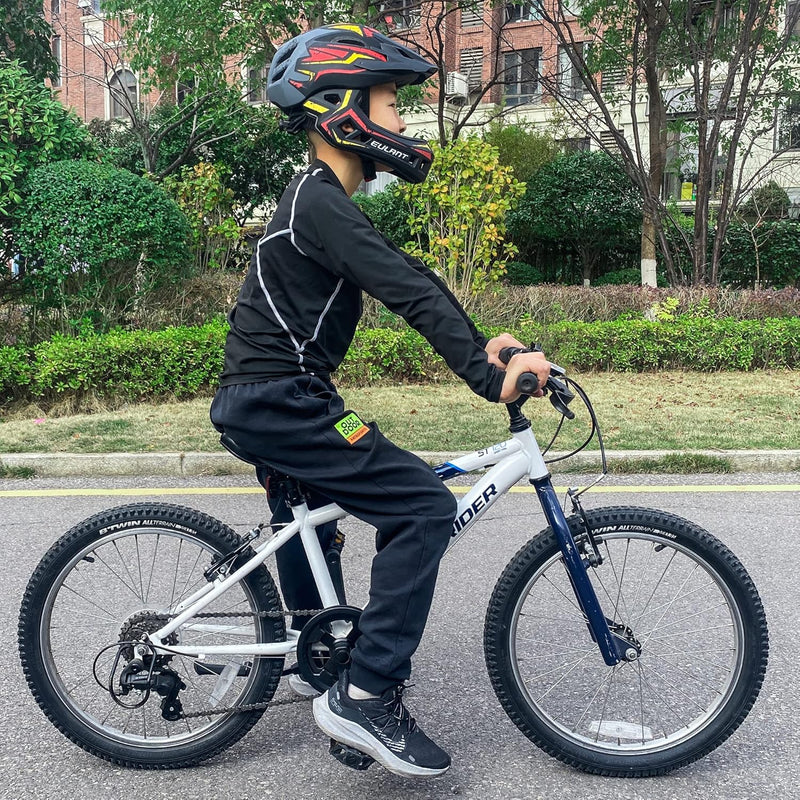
<point>343,123</point>
<point>321,79</point>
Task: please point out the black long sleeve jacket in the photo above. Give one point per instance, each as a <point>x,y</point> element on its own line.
<point>301,300</point>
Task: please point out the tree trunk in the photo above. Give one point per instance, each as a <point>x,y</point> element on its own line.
<point>649,251</point>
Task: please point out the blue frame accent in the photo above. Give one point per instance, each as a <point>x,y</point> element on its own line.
<point>612,648</point>
<point>448,470</point>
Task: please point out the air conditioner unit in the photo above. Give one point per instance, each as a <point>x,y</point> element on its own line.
<point>456,88</point>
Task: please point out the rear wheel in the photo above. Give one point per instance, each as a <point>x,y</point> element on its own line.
<point>113,579</point>
<point>689,603</point>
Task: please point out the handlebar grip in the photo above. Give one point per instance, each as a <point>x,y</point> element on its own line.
<point>527,383</point>
<point>507,353</point>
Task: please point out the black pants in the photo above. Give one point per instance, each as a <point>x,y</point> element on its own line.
<point>299,425</point>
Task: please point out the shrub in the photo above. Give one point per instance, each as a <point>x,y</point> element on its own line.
<point>201,194</point>
<point>461,209</point>
<point>584,202</point>
<point>184,362</point>
<point>518,273</point>
<point>389,212</point>
<point>95,239</point>
<point>36,130</point>
<point>766,251</point>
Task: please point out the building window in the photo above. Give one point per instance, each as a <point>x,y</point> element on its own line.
<point>471,64</point>
<point>787,124</point>
<point>89,7</point>
<point>613,77</point>
<point>521,76</point>
<point>257,84</point>
<point>577,145</point>
<point>472,15</point>
<point>183,89</point>
<point>56,48</point>
<point>793,17</point>
<point>124,93</point>
<point>680,176</point>
<point>401,14</point>
<point>523,11</point>
<point>569,77</point>
<point>55,7</point>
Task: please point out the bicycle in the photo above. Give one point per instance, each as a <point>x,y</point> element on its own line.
<point>623,641</point>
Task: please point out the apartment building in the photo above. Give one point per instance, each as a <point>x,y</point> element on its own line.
<point>498,57</point>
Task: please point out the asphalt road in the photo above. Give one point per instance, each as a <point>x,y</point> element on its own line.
<point>285,755</point>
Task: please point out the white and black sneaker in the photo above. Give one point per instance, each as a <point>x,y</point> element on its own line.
<point>381,728</point>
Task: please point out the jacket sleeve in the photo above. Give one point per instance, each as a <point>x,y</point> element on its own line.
<point>416,264</point>
<point>330,228</point>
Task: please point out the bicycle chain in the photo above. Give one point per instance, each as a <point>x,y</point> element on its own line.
<point>308,612</point>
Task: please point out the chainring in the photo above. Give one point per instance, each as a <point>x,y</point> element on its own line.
<point>323,648</point>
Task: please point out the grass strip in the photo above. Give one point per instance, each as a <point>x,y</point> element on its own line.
<point>651,411</point>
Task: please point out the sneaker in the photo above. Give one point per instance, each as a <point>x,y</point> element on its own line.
<point>381,728</point>
<point>300,687</point>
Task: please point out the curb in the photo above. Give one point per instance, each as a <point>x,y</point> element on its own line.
<point>184,465</point>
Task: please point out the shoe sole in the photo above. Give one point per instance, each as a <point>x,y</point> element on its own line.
<point>302,689</point>
<point>351,733</point>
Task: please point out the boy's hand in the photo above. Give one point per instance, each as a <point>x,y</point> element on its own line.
<point>494,346</point>
<point>520,363</point>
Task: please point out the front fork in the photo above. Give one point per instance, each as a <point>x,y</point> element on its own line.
<point>613,647</point>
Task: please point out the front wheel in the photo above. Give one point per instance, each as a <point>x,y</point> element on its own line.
<point>690,605</point>
<point>102,588</point>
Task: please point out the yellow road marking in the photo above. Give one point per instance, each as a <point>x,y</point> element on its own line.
<point>209,490</point>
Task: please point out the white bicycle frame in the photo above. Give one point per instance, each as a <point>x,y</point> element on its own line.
<point>510,461</point>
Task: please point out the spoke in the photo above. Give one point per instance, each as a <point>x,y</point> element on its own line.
<point>643,572</point>
<point>87,600</point>
<point>564,676</point>
<point>561,620</point>
<point>722,604</point>
<point>605,702</point>
<point>175,578</point>
<point>555,644</point>
<point>659,697</point>
<point>189,577</point>
<point>656,609</point>
<point>677,688</point>
<point>655,588</point>
<point>693,631</point>
<point>666,610</point>
<point>114,573</point>
<point>580,615</point>
<point>619,578</point>
<point>139,565</point>
<point>597,691</point>
<point>124,562</point>
<point>688,674</point>
<point>152,567</point>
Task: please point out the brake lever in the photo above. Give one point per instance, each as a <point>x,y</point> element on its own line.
<point>560,397</point>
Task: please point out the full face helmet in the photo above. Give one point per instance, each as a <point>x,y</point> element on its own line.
<point>321,79</point>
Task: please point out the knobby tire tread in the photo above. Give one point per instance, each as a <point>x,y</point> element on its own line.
<point>213,532</point>
<point>741,585</point>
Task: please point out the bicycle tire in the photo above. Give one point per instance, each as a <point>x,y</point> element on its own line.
<point>685,694</point>
<point>99,584</point>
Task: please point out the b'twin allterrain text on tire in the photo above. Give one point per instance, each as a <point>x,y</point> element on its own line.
<point>111,579</point>
<point>690,605</point>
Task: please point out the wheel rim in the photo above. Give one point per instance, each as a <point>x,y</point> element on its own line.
<point>91,602</point>
<point>692,641</point>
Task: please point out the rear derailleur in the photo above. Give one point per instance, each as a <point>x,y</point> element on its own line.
<point>142,675</point>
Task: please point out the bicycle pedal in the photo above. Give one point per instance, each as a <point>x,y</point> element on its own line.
<point>349,756</point>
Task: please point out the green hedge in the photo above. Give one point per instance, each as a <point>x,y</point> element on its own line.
<point>183,362</point>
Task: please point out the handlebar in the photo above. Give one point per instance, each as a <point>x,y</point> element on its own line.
<point>528,383</point>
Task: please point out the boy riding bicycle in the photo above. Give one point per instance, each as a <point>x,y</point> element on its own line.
<point>290,329</point>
